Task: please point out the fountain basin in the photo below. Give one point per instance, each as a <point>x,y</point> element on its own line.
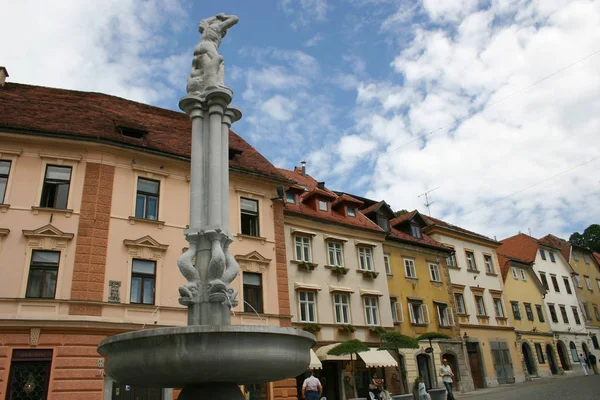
<point>191,355</point>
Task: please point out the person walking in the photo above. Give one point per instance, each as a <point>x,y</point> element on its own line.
<point>447,375</point>
<point>592,360</point>
<point>583,362</point>
<point>422,390</point>
<point>311,388</point>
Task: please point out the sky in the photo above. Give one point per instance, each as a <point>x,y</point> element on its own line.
<point>495,104</point>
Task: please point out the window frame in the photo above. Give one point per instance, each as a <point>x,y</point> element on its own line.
<point>575,255</point>
<point>44,267</point>
<point>515,273</point>
<point>522,274</point>
<point>529,312</point>
<point>397,312</point>
<point>304,245</point>
<point>307,304</point>
<point>365,254</point>
<point>146,195</point>
<point>540,353</point>
<point>443,308</point>
<point>259,308</point>
<point>576,315</point>
<point>588,283</point>
<point>435,270</point>
<point>7,177</point>
<point>336,249</point>
<point>387,264</point>
<point>473,264</point>
<point>555,284</point>
<point>596,311</point>
<point>552,256</point>
<point>497,301</point>
<point>44,193</point>
<point>544,280</point>
<point>567,284</point>
<point>323,203</point>
<point>412,266</point>
<point>143,277</point>
<point>341,305</point>
<point>563,313</point>
<point>290,197</point>
<point>553,315</point>
<point>351,214</point>
<point>540,312</point>
<point>415,231</point>
<point>250,213</point>
<point>516,310</point>
<point>543,254</point>
<point>482,304</point>
<point>586,258</point>
<point>424,311</point>
<point>371,310</point>
<point>462,302</point>
<point>489,264</point>
<point>577,280</point>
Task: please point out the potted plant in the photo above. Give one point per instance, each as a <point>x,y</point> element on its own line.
<point>338,269</point>
<point>377,330</point>
<point>307,265</point>
<point>312,328</point>
<point>347,328</point>
<point>370,274</point>
<point>351,347</point>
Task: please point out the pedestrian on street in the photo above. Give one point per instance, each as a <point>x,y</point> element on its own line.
<point>447,374</point>
<point>423,395</point>
<point>311,388</point>
<point>592,360</point>
<point>583,362</point>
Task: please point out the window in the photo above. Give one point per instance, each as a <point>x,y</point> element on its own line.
<point>544,280</point>
<point>4,171</point>
<point>586,258</point>
<point>409,268</point>
<point>577,280</point>
<point>586,311</point>
<point>597,312</point>
<point>451,260</point>
<point>552,258</point>
<point>515,309</point>
<point>543,254</point>
<point>540,312</point>
<point>555,283</point>
<point>540,353</point>
<point>573,352</point>
<point>365,258</point>
<point>146,201</point>
<point>575,255</point>
<point>397,315</point>
<point>480,306</point>
<point>588,283</point>
<point>595,342</point>
<point>253,296</point>
<point>514,272</point>
<point>308,306</point>
<point>567,285</point>
<point>553,315</point>
<point>386,263</point>
<point>143,278</point>
<point>460,303</point>
<point>335,253</point>
<point>444,315</point>
<point>529,312</point>
<point>341,304</point>
<point>576,315</point>
<point>522,272</point>
<point>471,261</point>
<point>290,197</point>
<point>563,312</point>
<point>489,266</point>
<point>434,272</point>
<point>371,310</point>
<point>419,313</point>
<point>351,211</point>
<point>498,308</point>
<point>55,191</point>
<point>303,248</point>
<point>383,222</point>
<point>43,272</point>
<point>249,217</point>
<point>322,205</point>
<point>415,230</point>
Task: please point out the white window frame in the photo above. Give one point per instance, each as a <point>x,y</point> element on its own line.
<point>523,275</point>
<point>498,302</point>
<point>304,242</point>
<point>588,283</point>
<point>386,263</point>
<point>351,213</point>
<point>371,307</point>
<point>472,265</point>
<point>479,314</point>
<point>586,258</point>
<point>339,306</point>
<point>424,313</point>
<point>434,269</point>
<point>514,273</point>
<point>409,265</point>
<point>460,303</point>
<point>489,264</point>
<point>444,312</point>
<point>290,197</point>
<point>365,258</point>
<point>575,255</point>
<point>323,205</point>
<point>307,304</point>
<point>577,280</point>
<point>335,249</point>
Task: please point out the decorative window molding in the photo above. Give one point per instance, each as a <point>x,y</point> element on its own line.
<point>360,242</point>
<point>296,231</point>
<point>60,157</point>
<point>253,262</point>
<point>306,286</point>
<point>149,172</point>
<point>332,238</point>
<point>146,248</point>
<point>11,152</point>
<point>340,289</point>
<point>48,232</point>
<point>58,160</point>
<point>248,191</point>
<point>367,292</point>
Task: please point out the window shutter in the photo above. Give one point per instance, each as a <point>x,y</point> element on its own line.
<point>426,313</point>
<point>437,308</point>
<point>450,316</point>
<point>400,312</point>
<point>411,313</point>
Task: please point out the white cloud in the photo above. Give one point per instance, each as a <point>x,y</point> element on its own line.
<point>279,108</point>
<point>305,12</point>
<point>315,40</point>
<point>78,45</point>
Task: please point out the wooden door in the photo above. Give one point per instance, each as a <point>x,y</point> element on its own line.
<point>475,364</point>
<point>502,362</point>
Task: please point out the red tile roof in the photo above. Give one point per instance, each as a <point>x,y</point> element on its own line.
<point>403,218</point>
<point>432,222</point>
<point>520,246</point>
<point>359,221</point>
<point>597,256</point>
<point>425,240</point>
<point>94,116</point>
<point>553,241</point>
<point>505,263</point>
<point>346,198</point>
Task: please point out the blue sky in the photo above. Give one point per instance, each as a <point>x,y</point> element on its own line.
<point>350,86</point>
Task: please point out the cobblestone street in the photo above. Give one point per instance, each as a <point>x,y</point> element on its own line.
<point>577,387</point>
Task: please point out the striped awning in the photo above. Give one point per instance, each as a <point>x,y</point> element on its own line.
<point>323,356</point>
<point>315,363</point>
<point>377,358</point>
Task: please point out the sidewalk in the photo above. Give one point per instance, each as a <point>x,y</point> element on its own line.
<point>534,382</point>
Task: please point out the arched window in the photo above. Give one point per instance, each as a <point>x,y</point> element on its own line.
<point>573,349</point>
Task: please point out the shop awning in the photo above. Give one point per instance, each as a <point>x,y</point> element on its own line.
<point>377,358</point>
<point>315,363</point>
<point>323,356</point>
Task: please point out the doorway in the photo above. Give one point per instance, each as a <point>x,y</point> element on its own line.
<point>475,364</point>
<point>563,356</point>
<point>424,367</point>
<point>502,362</point>
<point>528,357</point>
<point>551,359</point>
<point>29,375</point>
<point>330,379</point>
<point>586,353</point>
<point>453,363</point>
<point>122,391</point>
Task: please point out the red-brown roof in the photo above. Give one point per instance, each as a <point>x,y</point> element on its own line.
<point>553,241</point>
<point>597,256</point>
<point>432,222</point>
<point>425,240</point>
<point>403,218</point>
<point>332,215</point>
<point>346,198</point>
<point>505,263</point>
<point>520,246</point>
<point>94,116</point>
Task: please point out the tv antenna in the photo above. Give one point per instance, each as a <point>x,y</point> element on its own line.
<point>427,202</point>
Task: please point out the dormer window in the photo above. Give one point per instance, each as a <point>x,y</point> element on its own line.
<point>322,205</point>
<point>383,222</point>
<point>416,231</point>
<point>351,211</point>
<point>290,197</point>
<point>130,130</point>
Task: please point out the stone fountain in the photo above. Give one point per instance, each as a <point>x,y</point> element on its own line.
<point>209,357</point>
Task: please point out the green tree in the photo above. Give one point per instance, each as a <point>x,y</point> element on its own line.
<point>350,347</point>
<point>394,341</point>
<point>590,238</point>
<point>401,212</point>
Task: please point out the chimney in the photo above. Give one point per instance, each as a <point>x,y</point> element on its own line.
<point>321,185</point>
<point>3,75</point>
<point>303,163</point>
